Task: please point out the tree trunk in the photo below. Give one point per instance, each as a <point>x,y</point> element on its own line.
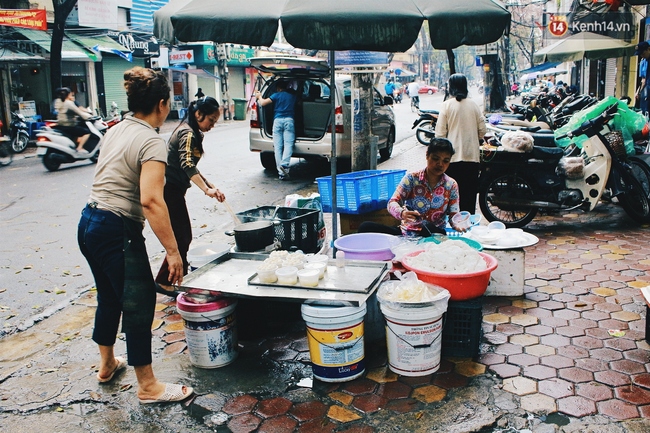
<point>61,12</point>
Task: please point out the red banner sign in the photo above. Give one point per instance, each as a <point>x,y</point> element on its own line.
<point>28,18</point>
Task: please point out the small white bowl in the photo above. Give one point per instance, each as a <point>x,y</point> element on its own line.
<point>287,275</point>
<point>496,225</point>
<point>317,258</point>
<point>266,273</point>
<point>308,277</point>
<point>321,267</point>
<point>461,220</point>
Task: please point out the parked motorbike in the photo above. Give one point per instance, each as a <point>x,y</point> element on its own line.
<point>513,187</point>
<point>6,154</point>
<point>57,148</point>
<point>426,126</point>
<point>18,132</point>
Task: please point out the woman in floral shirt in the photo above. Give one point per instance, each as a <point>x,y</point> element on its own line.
<point>424,198</point>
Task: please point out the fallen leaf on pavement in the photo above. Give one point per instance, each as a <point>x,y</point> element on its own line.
<point>126,387</point>
<point>28,266</point>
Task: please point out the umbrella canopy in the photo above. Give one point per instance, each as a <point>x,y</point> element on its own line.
<point>584,45</point>
<point>373,25</point>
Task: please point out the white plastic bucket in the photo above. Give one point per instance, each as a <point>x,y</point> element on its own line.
<point>202,255</point>
<point>335,337</point>
<point>210,331</point>
<point>413,339</point>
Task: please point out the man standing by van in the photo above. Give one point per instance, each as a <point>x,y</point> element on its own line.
<point>284,131</point>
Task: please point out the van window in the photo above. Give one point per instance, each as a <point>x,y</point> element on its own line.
<point>347,92</point>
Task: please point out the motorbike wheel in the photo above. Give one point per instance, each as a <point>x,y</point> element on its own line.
<point>6,155</point>
<point>635,200</point>
<point>641,172</point>
<point>387,151</point>
<point>506,186</point>
<point>424,137</point>
<point>50,161</point>
<point>20,142</point>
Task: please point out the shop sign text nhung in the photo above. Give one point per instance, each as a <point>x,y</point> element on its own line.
<point>139,45</point>
<point>181,56</point>
<point>240,56</point>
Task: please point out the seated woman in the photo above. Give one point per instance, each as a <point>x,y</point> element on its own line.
<point>423,198</point>
<point>68,115</point>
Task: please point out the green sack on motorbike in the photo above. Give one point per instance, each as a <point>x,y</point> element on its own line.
<point>628,122</point>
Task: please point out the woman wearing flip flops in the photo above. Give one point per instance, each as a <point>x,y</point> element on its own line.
<point>126,190</point>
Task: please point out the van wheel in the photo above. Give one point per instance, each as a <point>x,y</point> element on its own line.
<point>388,150</point>
<point>268,160</point>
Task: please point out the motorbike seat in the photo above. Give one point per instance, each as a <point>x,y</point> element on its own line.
<point>548,154</point>
<point>430,112</point>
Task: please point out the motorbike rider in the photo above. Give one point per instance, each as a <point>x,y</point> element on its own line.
<point>68,114</point>
<point>413,92</point>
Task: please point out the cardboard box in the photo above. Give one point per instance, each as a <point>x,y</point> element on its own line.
<point>349,223</point>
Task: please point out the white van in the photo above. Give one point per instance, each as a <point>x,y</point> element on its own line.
<point>309,77</point>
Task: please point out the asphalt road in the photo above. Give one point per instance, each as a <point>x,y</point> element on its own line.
<point>41,268</point>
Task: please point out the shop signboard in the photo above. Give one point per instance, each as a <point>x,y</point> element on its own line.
<point>205,55</point>
<point>26,18</point>
<point>141,46</point>
<point>181,56</point>
<point>240,56</point>
<point>360,58</point>
<point>98,13</point>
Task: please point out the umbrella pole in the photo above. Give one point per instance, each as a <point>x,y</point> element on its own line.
<point>333,140</point>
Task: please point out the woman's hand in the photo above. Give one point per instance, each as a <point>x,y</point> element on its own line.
<point>176,268</point>
<point>410,215</point>
<point>455,227</point>
<point>215,193</point>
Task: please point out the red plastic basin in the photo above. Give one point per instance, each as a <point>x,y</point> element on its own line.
<point>461,286</point>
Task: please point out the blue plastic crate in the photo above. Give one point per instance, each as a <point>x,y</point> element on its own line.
<point>361,191</point>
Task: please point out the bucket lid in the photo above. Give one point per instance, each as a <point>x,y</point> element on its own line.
<point>184,305</point>
<point>328,311</point>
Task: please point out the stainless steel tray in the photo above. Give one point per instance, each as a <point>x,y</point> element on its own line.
<point>230,274</point>
<point>357,276</point>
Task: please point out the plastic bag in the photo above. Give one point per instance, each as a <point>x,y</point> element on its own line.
<point>573,167</point>
<point>517,141</point>
<point>627,121</point>
<point>409,291</point>
<point>309,202</point>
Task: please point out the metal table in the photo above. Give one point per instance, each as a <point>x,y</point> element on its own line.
<point>234,274</point>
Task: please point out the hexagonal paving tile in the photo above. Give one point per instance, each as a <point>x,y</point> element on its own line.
<point>495,319</point>
<point>369,403</point>
<point>273,407</point>
<point>491,358</point>
<point>605,354</point>
<point>450,380</point>
<point>524,303</point>
<point>538,404</point>
<point>508,349</point>
<point>618,409</point>
<point>469,368</point>
<point>394,390</point>
<point>613,378</point>
<point>633,394</point>
<point>539,372</point>
<point>639,355</point>
<point>540,350</point>
<point>524,320</point>
<point>594,391</point>
<point>572,352</point>
<point>576,406</point>
<point>523,359</point>
<point>505,370</point>
<point>556,388</point>
<point>342,414</point>
<point>557,361</point>
<point>278,424</point>
<point>576,375</point>
<point>429,393</point>
<point>519,385</point>
<point>244,423</point>
<point>627,366</point>
<point>570,331</point>
<point>587,342</point>
<point>240,404</point>
<point>524,340</point>
<point>555,340</point>
<point>381,375</point>
<point>592,364</point>
<point>360,386</point>
<point>308,410</point>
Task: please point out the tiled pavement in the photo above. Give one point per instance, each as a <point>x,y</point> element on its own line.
<point>573,343</point>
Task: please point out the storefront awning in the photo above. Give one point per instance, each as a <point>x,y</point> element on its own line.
<point>198,72</point>
<point>540,68</point>
<point>69,50</point>
<point>8,54</point>
<point>101,43</point>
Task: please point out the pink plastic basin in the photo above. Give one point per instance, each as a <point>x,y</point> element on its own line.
<point>366,246</point>
<point>460,286</point>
